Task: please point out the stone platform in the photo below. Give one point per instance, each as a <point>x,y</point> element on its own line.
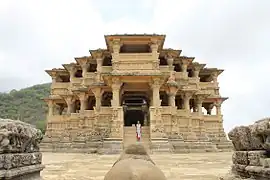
<point>193,166</point>
<point>115,146</point>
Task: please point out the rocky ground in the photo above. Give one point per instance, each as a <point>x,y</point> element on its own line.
<point>201,166</point>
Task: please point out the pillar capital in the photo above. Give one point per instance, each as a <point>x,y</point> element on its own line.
<point>186,95</point>
<point>98,91</point>
<point>69,99</point>
<point>116,45</point>
<point>155,83</point>
<point>116,83</point>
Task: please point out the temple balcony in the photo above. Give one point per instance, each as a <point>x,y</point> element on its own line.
<point>77,80</point>
<point>60,85</point>
<point>209,87</point>
<point>58,118</point>
<point>181,75</point>
<point>135,62</point>
<point>60,88</point>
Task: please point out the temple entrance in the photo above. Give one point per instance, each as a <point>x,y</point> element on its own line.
<point>131,117</point>
<point>136,109</point>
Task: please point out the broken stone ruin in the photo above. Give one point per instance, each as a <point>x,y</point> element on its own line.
<point>251,157</point>
<point>20,158</point>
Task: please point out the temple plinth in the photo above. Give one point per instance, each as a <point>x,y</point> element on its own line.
<point>96,101</point>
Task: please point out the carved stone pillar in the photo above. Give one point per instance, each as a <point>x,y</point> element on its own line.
<point>98,94</point>
<point>84,69</point>
<point>83,100</point>
<point>186,97</point>
<point>51,107</point>
<point>116,85</point>
<point>218,108</point>
<point>184,65</point>
<point>72,71</point>
<point>54,77</point>
<point>196,70</point>
<point>155,85</point>
<point>70,104</point>
<point>214,76</point>
<point>199,105</point>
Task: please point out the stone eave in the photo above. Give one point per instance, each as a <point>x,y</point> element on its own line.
<point>196,65</point>
<point>98,53</point>
<point>70,65</point>
<point>171,52</point>
<point>146,38</point>
<point>55,71</point>
<point>81,60</point>
<point>184,58</point>
<point>210,71</point>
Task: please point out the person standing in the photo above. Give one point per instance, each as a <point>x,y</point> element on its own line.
<point>138,130</point>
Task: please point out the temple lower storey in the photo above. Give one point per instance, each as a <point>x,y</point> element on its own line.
<point>95,102</point>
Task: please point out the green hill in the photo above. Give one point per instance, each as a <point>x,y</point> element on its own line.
<point>26,105</point>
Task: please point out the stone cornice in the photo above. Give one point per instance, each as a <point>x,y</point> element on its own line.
<point>54,72</point>
<point>170,53</point>
<point>211,71</point>
<point>197,66</point>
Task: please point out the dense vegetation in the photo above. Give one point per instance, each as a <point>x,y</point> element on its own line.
<point>26,105</point>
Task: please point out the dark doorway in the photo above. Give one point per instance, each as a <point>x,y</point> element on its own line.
<point>132,116</point>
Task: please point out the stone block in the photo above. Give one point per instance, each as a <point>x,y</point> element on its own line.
<point>254,157</point>
<point>240,157</point>
<point>20,158</point>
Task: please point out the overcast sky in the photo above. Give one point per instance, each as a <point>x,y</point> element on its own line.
<point>229,34</point>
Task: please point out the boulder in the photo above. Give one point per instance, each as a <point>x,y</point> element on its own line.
<point>135,163</point>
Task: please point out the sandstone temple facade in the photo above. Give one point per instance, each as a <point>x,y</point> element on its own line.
<point>95,101</point>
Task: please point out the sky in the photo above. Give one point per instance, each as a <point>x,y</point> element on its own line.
<point>228,34</point>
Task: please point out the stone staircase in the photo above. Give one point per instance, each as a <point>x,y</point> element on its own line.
<point>130,136</point>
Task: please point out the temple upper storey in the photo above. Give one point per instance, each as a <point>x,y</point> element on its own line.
<point>138,60</point>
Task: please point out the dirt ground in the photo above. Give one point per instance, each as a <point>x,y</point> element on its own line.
<point>201,166</point>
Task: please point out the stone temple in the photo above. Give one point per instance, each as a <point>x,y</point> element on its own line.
<point>95,101</point>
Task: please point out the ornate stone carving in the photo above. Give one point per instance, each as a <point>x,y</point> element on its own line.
<point>18,137</point>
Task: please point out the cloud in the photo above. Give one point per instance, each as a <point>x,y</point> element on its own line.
<point>231,35</point>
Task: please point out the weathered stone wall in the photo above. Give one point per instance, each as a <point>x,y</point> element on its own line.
<point>251,158</point>
<point>19,151</point>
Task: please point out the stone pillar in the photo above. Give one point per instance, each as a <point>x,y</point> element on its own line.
<point>196,71</point>
<point>214,77</point>
<point>186,97</point>
<point>51,107</point>
<point>170,61</point>
<point>72,71</point>
<point>116,45</point>
<point>155,85</point>
<point>84,69</point>
<point>218,108</point>
<point>199,105</point>
<point>184,65</point>
<point>172,99</point>
<point>70,104</point>
<point>83,100</point>
<point>54,77</point>
<point>98,94</point>
<point>116,85</point>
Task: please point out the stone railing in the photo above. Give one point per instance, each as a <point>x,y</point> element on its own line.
<point>251,158</point>
<point>19,150</point>
<point>208,85</point>
<point>60,85</point>
<point>106,69</point>
<point>77,80</point>
<point>57,118</point>
<point>212,117</point>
